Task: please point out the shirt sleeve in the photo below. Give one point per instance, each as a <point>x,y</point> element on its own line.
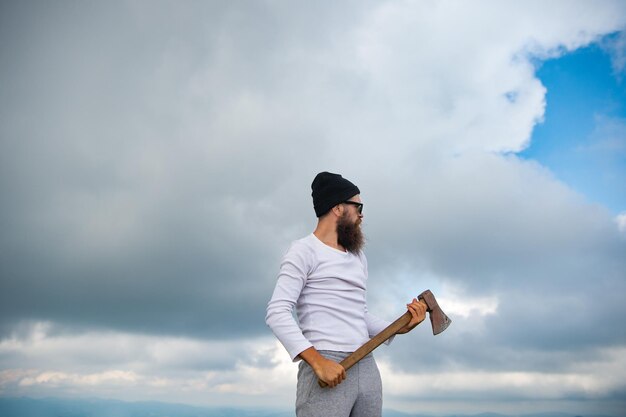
<point>291,280</point>
<point>376,325</point>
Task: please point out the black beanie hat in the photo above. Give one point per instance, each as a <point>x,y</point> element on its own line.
<point>329,190</point>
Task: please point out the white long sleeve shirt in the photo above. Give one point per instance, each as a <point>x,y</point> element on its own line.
<point>327,287</point>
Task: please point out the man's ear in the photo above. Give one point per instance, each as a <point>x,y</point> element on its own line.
<point>337,210</point>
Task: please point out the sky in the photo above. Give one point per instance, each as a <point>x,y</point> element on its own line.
<point>156,161</point>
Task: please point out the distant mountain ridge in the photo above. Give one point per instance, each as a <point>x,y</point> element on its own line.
<point>58,407</point>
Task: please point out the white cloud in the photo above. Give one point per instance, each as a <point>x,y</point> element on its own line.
<point>620,219</point>
<point>117,377</point>
<point>466,307</point>
<point>264,374</point>
<point>616,45</point>
<point>149,367</point>
<point>594,382</point>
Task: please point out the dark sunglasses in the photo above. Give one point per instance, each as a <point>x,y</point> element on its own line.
<point>359,206</point>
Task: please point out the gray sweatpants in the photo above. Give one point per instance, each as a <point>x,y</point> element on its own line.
<point>359,395</point>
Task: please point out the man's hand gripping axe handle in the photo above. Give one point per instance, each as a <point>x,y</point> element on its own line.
<point>438,320</point>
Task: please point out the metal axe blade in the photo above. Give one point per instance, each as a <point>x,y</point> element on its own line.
<point>438,319</point>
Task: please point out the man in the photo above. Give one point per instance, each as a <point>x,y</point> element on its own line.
<point>324,276</point>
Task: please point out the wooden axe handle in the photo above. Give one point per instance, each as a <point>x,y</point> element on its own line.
<point>373,343</point>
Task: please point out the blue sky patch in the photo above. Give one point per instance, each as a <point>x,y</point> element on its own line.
<point>583,137</point>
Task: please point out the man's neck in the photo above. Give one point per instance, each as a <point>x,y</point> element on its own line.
<point>327,234</point>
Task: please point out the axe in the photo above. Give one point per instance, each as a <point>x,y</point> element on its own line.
<point>438,320</point>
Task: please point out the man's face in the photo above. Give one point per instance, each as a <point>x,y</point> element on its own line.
<point>349,234</point>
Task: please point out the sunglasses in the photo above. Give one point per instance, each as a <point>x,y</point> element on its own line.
<point>359,206</point>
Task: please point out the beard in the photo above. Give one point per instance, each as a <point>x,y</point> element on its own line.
<point>349,234</point>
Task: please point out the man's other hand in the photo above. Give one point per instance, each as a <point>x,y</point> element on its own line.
<point>418,314</point>
<point>330,372</point>
<point>326,370</point>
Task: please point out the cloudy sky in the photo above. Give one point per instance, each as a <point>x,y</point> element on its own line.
<point>156,160</point>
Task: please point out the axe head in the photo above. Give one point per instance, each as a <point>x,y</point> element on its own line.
<point>438,318</point>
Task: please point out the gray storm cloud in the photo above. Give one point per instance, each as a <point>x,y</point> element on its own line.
<point>156,160</point>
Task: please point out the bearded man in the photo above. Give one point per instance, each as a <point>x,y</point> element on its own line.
<point>324,276</point>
